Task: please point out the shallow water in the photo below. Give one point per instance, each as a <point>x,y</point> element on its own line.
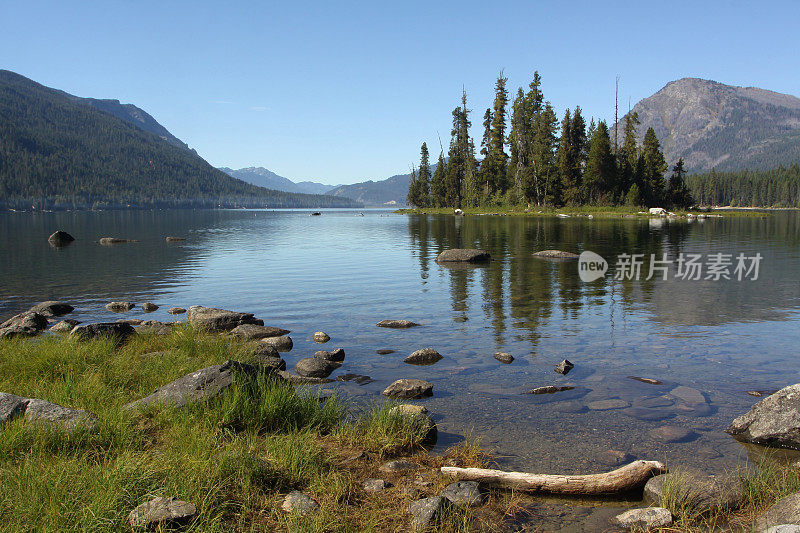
<point>342,273</point>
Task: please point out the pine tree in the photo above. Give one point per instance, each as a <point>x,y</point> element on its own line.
<point>519,140</point>
<point>438,196</point>
<point>423,178</point>
<point>564,159</point>
<point>545,170</point>
<point>497,153</point>
<point>629,155</point>
<point>411,197</point>
<point>654,168</point>
<point>600,177</point>
<point>461,179</point>
<point>678,194</point>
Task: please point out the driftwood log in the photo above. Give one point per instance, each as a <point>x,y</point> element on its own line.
<point>629,477</point>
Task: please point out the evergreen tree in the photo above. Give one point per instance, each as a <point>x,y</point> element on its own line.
<point>629,155</point>
<point>545,170</point>
<point>519,140</point>
<point>461,178</point>
<point>600,177</point>
<point>423,178</point>
<point>565,161</point>
<point>654,168</point>
<point>413,190</point>
<point>677,192</point>
<point>438,196</point>
<point>496,153</point>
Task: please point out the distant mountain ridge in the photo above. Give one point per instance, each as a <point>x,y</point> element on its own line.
<point>262,177</point>
<point>61,151</point>
<point>713,125</point>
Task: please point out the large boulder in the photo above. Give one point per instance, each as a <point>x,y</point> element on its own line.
<point>774,421</point>
<point>283,343</point>
<point>60,238</point>
<point>24,324</point>
<point>52,308</point>
<point>314,367</point>
<point>408,389</point>
<point>644,519</point>
<point>120,331</point>
<point>162,513</point>
<point>41,411</point>
<point>212,319</point>
<point>336,356</point>
<point>424,356</point>
<point>784,511</point>
<point>463,255</point>
<point>254,332</point>
<point>427,512</point>
<point>200,385</point>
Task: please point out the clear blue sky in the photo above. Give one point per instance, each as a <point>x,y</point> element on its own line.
<point>340,92</point>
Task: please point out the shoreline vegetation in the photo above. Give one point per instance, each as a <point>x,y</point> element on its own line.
<point>251,450</point>
<point>598,211</point>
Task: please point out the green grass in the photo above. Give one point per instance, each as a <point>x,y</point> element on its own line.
<point>235,456</point>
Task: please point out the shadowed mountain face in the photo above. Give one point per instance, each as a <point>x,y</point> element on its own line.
<point>389,192</point>
<point>262,177</point>
<point>712,125</point>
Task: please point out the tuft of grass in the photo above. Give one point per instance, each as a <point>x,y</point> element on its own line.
<point>384,432</point>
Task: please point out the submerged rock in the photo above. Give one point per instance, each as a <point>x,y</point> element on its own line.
<point>549,389</point>
<point>357,378</point>
<point>105,241</point>
<point>60,238</point>
<point>408,389</point>
<point>463,255</point>
<point>396,324</point>
<point>425,356</point>
<point>649,381</point>
<point>175,239</point>
<point>213,319</point>
<point>162,512</point>
<point>505,358</point>
<point>615,458</point>
<point>607,405</point>
<point>120,307</point>
<point>671,434</point>
<point>384,352</point>
<point>555,254</point>
<point>773,421</point>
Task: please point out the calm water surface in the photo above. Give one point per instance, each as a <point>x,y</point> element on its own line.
<point>342,273</point>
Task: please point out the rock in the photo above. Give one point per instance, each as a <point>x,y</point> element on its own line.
<point>176,310</point>
<point>672,434</point>
<point>60,238</point>
<point>120,307</point>
<point>154,327</point>
<point>321,337</point>
<point>658,211</point>
<point>373,485</point>
<point>649,381</point>
<point>267,350</point>
<point>149,307</point>
<point>64,326</point>
<point>555,254</point>
<point>549,389</point>
<point>505,358</point>
<point>282,344</point>
<point>425,356</point>
<point>426,512</point>
<point>117,330</point>
<point>312,367</point>
<point>607,405</point>
<point>11,406</point>
<point>52,308</point>
<point>175,239</point>
<point>396,324</point>
<point>649,518</point>
<point>298,503</point>
<point>336,356</point>
<point>269,362</point>
<point>302,380</point>
<point>60,417</point>
<point>422,422</point>
<point>699,493</point>
<point>253,332</point>
<point>384,352</point>
<point>697,409</point>
<point>689,395</point>
<point>773,421</point>
<point>200,385</point>
<point>408,389</point>
<point>615,458</point>
<point>361,379</point>
<point>653,401</point>
<point>463,255</point>
<point>212,319</point>
<point>132,321</point>
<point>784,511</point>
<point>760,393</point>
<point>107,241</point>
<point>647,413</point>
<point>568,406</point>
<point>24,324</point>
<point>162,512</point>
<point>564,367</point>
<point>784,528</point>
<point>399,465</point>
<point>463,493</point>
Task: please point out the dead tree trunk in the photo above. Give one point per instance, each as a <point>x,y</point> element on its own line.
<point>629,477</point>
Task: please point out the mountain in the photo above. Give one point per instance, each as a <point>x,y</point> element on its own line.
<point>389,192</point>
<point>262,177</point>
<point>61,151</point>
<point>713,125</point>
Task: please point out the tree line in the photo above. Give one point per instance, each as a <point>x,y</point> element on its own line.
<point>778,187</point>
<point>548,163</point>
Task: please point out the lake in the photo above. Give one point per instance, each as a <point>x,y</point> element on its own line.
<point>707,341</point>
